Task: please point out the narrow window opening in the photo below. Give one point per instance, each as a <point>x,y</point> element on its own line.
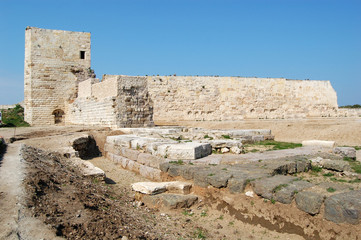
<point>82,54</point>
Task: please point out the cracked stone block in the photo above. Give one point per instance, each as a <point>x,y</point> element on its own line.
<point>346,152</point>
<point>219,179</point>
<point>237,185</point>
<point>335,165</point>
<point>309,202</point>
<point>265,186</point>
<point>285,194</point>
<point>344,207</point>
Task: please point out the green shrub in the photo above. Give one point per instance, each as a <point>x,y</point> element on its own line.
<point>14,117</point>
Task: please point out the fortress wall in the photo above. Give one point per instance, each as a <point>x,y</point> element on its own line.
<point>90,111</point>
<point>85,88</point>
<point>108,87</point>
<point>177,98</point>
<point>52,60</point>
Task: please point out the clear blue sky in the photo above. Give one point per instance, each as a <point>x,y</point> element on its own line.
<point>294,39</point>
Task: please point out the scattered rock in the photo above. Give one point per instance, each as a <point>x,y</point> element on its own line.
<point>225,150</point>
<point>249,194</point>
<point>309,202</point>
<point>235,150</point>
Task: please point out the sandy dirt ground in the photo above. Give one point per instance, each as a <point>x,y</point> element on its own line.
<point>345,131</point>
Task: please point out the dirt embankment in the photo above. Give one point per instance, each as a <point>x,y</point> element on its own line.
<point>83,208</point>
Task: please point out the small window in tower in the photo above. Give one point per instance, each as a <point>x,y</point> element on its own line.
<point>82,54</point>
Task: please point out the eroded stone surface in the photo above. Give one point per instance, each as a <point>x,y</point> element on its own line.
<point>309,202</point>
<point>266,187</point>
<point>344,207</point>
<point>346,152</point>
<point>169,201</point>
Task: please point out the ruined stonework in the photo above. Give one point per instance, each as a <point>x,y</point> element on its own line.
<point>60,87</point>
<point>116,101</point>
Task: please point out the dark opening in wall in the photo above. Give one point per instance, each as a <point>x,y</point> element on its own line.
<point>82,54</point>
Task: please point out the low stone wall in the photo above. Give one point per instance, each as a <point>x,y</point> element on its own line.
<point>89,111</point>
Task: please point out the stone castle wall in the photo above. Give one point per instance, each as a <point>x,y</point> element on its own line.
<point>60,87</point>
<point>234,98</point>
<point>53,66</point>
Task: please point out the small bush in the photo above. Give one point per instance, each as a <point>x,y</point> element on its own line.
<point>226,137</point>
<point>14,117</point>
<point>316,169</point>
<point>331,189</point>
<point>328,174</point>
<point>179,162</point>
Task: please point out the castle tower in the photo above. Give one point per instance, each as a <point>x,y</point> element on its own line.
<point>55,62</point>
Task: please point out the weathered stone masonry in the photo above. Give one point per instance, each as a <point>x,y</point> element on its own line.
<point>53,59</point>
<point>60,88</point>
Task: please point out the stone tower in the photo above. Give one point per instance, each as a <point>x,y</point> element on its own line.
<point>55,62</point>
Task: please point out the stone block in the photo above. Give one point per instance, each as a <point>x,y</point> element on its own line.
<point>175,170</point>
<point>309,202</point>
<point>169,201</point>
<point>129,153</point>
<point>150,173</point>
<point>285,194</point>
<point>237,185</point>
<point>265,187</point>
<point>319,143</point>
<point>218,179</point>
<point>121,140</point>
<point>133,166</point>
<point>150,188</point>
<point>344,207</point>
<point>142,142</point>
<point>150,160</point>
<point>346,152</point>
<point>222,143</point>
<point>336,165</point>
<point>179,187</point>
<point>188,151</point>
